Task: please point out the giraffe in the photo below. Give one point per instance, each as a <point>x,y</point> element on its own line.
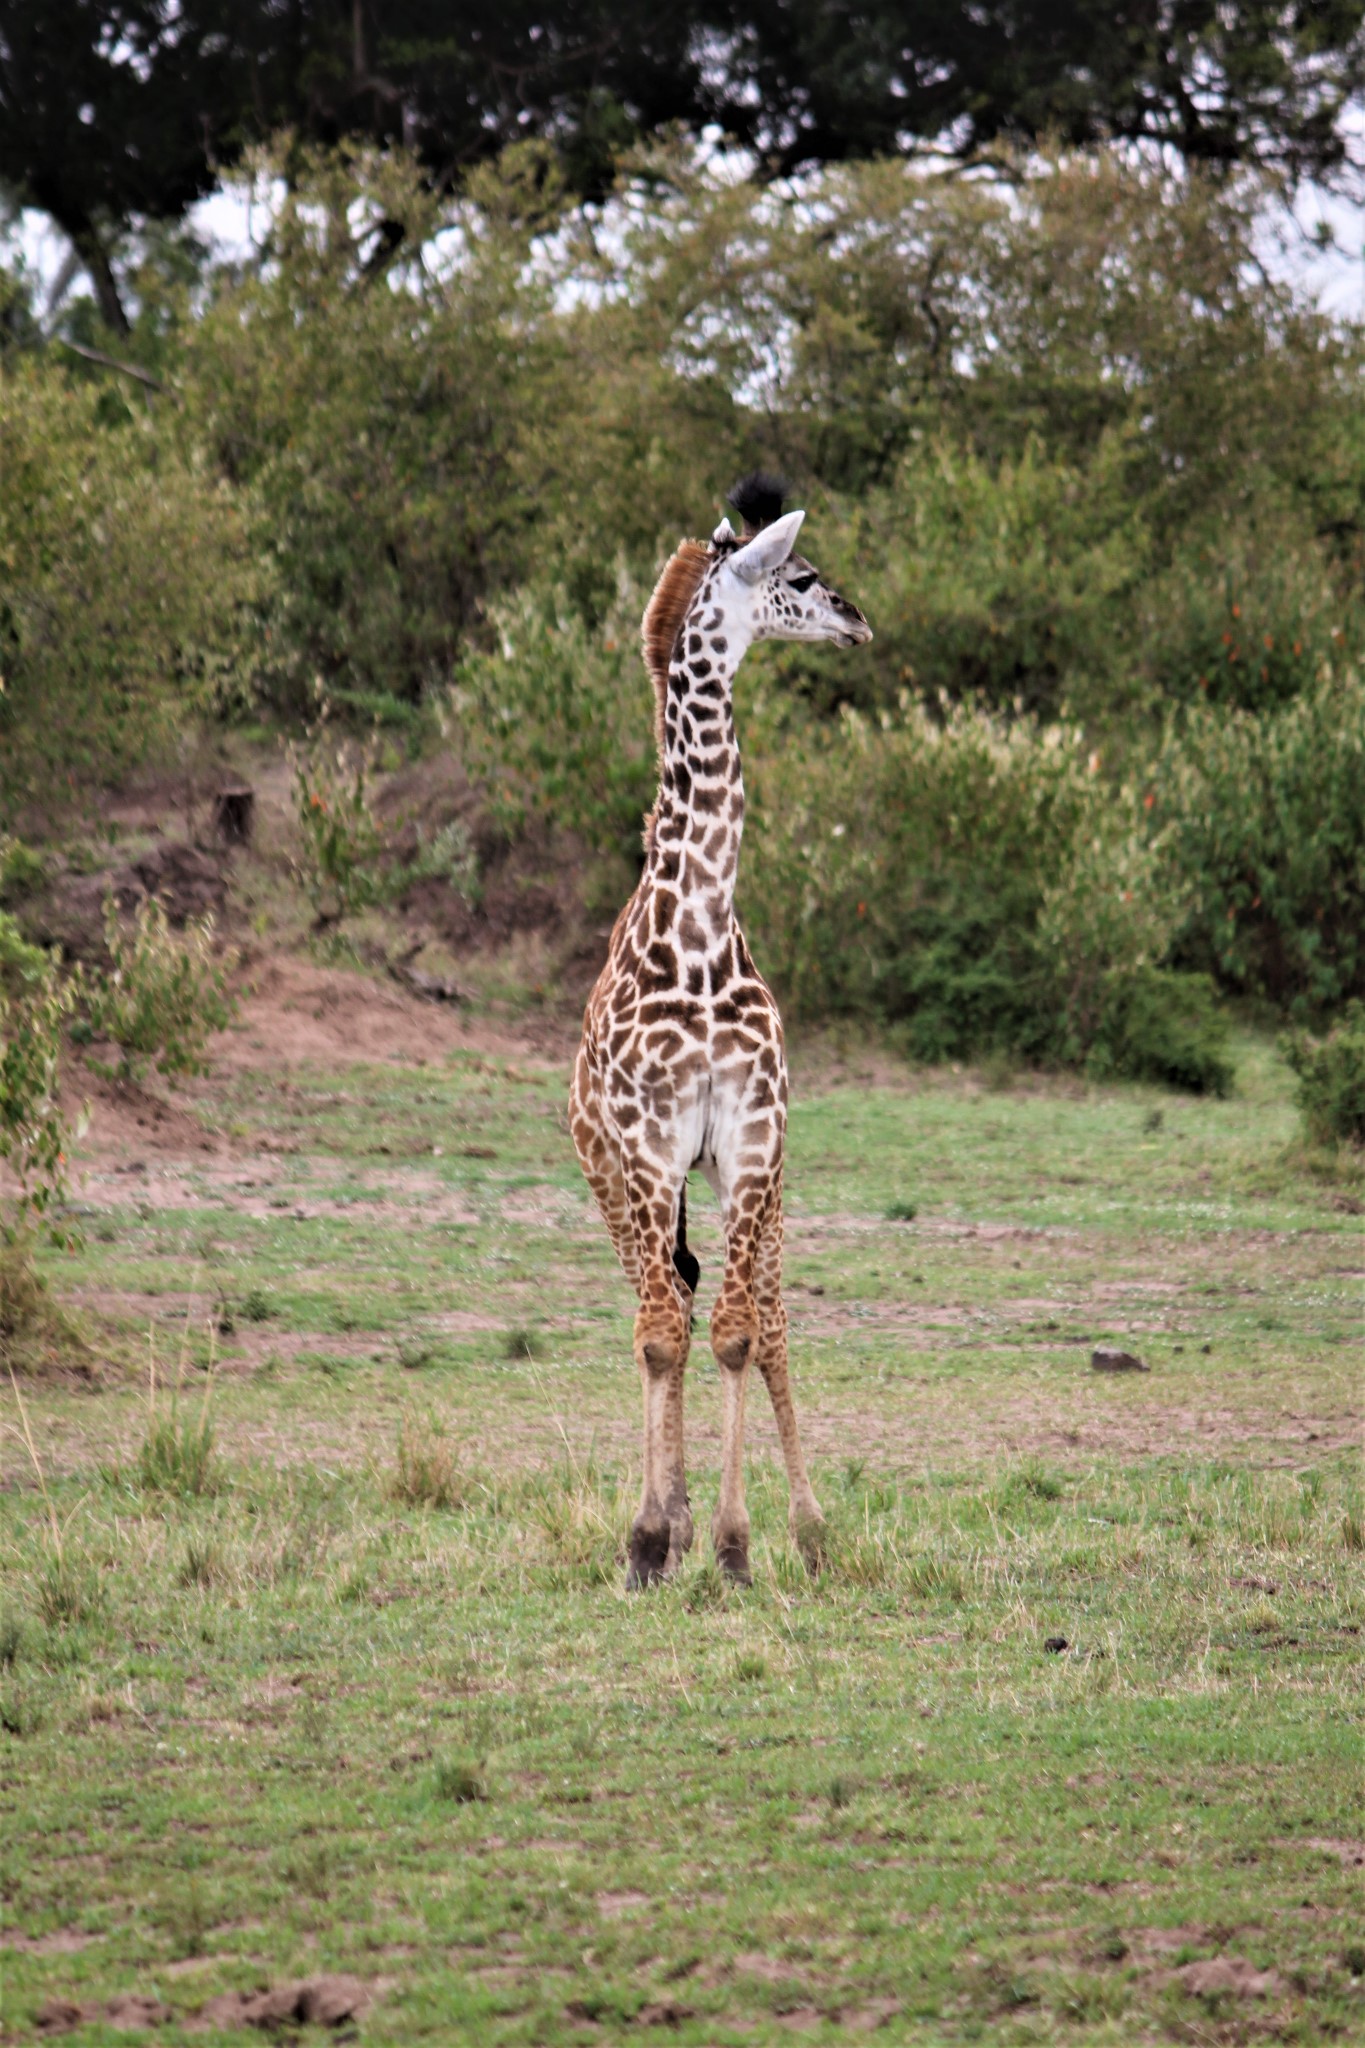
<point>682,1063</point>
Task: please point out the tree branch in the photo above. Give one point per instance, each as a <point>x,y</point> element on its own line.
<point>95,355</point>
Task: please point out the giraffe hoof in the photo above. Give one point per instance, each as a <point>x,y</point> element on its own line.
<point>648,1555</point>
<point>733,1559</point>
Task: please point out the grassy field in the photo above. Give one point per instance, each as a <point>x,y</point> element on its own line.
<point>324,1662</point>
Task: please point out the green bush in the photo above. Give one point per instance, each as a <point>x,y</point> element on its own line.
<point>1155,1025</point>
<point>1331,1075</point>
<point>1260,822</point>
<point>129,598</point>
<point>163,995</point>
<point>976,883</point>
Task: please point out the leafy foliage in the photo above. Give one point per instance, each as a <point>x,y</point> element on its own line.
<point>386,423</point>
<point>34,1132</point>
<point>1262,819</point>
<point>128,602</point>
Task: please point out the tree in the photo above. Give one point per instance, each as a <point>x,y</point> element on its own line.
<point>130,108</point>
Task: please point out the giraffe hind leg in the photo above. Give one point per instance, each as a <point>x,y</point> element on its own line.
<point>806,1520</point>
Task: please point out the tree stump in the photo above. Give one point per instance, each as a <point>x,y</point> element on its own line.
<point>234,814</point>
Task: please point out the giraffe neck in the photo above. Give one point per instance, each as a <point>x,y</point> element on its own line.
<point>699,819</point>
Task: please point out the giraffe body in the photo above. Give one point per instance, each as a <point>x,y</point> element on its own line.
<point>682,1064</point>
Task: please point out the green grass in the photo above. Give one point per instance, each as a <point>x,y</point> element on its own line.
<point>371,1697</point>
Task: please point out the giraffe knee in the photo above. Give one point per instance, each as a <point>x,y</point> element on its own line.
<point>735,1335</point>
<point>660,1345</point>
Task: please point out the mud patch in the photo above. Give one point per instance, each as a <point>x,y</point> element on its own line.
<point>1228,1976</point>
<point>63,1941</point>
<point>294,1013</point>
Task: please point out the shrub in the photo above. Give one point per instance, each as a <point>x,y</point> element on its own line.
<point>1003,582</point>
<point>341,837</point>
<point>558,722</point>
<point>1260,821</point>
<point>163,995</point>
<point>1331,1077</point>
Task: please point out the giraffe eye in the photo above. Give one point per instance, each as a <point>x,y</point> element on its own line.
<point>803,583</point>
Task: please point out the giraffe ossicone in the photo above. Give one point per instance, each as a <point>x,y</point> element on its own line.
<point>681,1064</point>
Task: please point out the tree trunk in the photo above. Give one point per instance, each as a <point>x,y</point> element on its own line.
<point>93,254</point>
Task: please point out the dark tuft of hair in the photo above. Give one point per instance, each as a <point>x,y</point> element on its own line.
<point>758,499</point>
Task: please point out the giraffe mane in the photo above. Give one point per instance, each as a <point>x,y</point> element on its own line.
<point>659,629</point>
<point>663,620</point>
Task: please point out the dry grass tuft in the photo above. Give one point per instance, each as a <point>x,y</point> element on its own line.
<point>428,1473</point>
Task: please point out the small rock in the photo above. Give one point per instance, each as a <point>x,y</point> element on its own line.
<point>1054,1645</point>
<point>1107,1358</point>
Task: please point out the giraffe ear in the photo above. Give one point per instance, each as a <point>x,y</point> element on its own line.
<point>768,549</point>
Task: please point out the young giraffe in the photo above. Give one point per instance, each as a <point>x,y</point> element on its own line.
<point>682,1060</point>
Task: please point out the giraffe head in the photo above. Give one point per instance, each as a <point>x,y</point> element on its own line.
<point>781,596</point>
<point>768,592</point>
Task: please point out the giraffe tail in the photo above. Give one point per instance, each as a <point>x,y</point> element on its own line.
<point>684,1262</point>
